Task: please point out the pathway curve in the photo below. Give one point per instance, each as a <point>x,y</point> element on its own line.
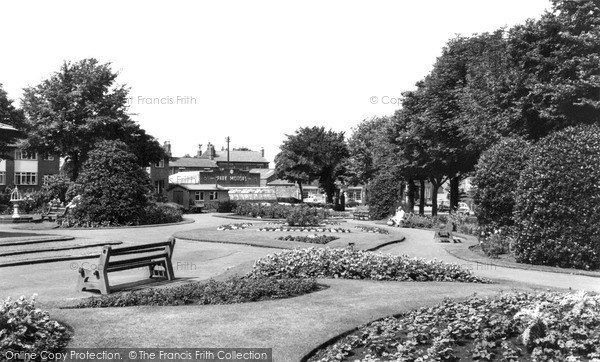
<point>420,243</point>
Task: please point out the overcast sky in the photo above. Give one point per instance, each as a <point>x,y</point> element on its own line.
<point>251,70</point>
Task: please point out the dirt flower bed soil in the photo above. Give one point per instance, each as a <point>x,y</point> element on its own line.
<point>315,239</point>
<point>510,327</point>
<point>357,264</point>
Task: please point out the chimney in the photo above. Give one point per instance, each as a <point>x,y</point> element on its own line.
<point>211,151</point>
<point>262,151</point>
<point>199,154</point>
<point>167,148</point>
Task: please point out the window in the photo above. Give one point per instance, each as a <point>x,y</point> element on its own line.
<point>25,155</point>
<point>25,178</point>
<point>199,196</point>
<point>159,186</point>
<point>2,178</point>
<point>357,195</point>
<point>160,164</point>
<point>46,179</point>
<point>213,195</point>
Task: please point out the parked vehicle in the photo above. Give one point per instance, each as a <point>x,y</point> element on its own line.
<point>464,209</point>
<point>444,206</point>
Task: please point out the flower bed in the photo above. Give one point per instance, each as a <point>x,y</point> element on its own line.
<point>357,264</point>
<point>24,328</point>
<point>239,226</point>
<point>233,290</point>
<point>310,229</point>
<point>315,239</point>
<point>372,229</point>
<point>511,327</point>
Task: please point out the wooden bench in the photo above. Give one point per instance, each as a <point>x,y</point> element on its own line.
<point>130,257</point>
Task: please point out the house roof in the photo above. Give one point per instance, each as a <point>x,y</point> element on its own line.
<point>239,156</point>
<point>252,194</point>
<point>280,182</point>
<point>192,162</point>
<point>200,187</point>
<point>264,172</point>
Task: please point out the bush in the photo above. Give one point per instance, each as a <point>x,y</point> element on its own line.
<point>557,212</point>
<point>114,189</point>
<point>496,177</point>
<point>24,328</point>
<point>356,264</point>
<point>305,216</point>
<point>233,290</point>
<point>384,191</point>
<point>226,206</point>
<point>276,211</point>
<point>496,243</point>
<point>161,213</point>
<point>56,186</point>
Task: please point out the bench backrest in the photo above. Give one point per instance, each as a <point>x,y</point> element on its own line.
<point>108,251</point>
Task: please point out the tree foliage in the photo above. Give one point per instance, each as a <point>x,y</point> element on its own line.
<point>114,189</point>
<point>385,190</point>
<point>313,153</point>
<point>496,178</point>
<point>78,106</point>
<point>557,210</point>
<point>11,116</point>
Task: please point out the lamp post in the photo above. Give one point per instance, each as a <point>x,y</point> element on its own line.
<point>15,198</point>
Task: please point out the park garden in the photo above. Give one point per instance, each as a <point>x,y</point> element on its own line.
<point>516,110</point>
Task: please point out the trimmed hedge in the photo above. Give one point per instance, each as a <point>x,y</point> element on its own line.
<point>233,290</point>
<point>496,177</point>
<point>557,212</point>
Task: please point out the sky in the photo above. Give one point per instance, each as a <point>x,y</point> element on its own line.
<point>254,71</point>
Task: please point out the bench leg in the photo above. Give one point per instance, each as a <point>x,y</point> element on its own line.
<point>92,279</point>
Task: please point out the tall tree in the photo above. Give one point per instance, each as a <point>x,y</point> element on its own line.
<point>12,120</point>
<point>79,105</point>
<point>313,153</point>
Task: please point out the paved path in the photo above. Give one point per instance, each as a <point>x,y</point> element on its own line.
<point>420,243</point>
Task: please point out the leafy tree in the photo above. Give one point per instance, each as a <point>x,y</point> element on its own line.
<point>496,178</point>
<point>12,117</point>
<point>368,152</point>
<point>114,189</point>
<point>557,209</point>
<point>313,154</point>
<point>385,190</point>
<point>78,106</point>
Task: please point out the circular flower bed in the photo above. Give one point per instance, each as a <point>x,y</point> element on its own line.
<point>315,239</point>
<point>310,229</point>
<point>357,264</point>
<point>372,229</point>
<point>511,327</point>
<point>234,226</point>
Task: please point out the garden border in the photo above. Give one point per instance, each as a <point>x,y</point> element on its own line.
<point>183,222</point>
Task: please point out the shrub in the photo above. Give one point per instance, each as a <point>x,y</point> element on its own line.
<point>356,264</point>
<point>496,243</point>
<point>226,206</point>
<point>384,191</point>
<point>24,328</point>
<point>305,216</point>
<point>557,212</point>
<point>372,229</point>
<point>233,290</point>
<point>161,213</point>
<point>496,177</point>
<point>56,186</point>
<point>114,189</point>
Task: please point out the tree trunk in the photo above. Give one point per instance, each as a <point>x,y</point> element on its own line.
<point>454,181</point>
<point>435,185</point>
<point>411,195</point>
<point>422,197</point>
<point>301,192</point>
